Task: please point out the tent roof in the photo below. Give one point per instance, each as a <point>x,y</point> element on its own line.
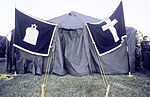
<point>73,20</point>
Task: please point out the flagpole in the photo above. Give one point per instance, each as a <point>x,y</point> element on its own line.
<point>48,65</point>
<point>107,86</point>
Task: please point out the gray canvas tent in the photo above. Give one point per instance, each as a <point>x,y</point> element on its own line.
<point>74,52</point>
<point>3,43</point>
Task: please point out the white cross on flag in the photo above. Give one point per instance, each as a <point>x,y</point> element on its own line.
<point>110,25</point>
<point>109,33</point>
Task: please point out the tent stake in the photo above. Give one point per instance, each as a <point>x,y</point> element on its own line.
<point>130,75</point>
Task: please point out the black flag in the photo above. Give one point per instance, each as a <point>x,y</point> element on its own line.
<point>33,35</point>
<point>108,34</point>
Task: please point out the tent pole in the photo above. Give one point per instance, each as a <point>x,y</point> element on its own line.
<point>6,55</point>
<point>12,53</point>
<point>6,50</point>
<point>127,51</point>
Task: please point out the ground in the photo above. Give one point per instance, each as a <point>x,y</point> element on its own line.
<point>29,85</point>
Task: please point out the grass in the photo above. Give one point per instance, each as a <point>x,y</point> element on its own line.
<point>29,85</point>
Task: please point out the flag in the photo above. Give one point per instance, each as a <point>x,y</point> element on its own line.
<point>109,33</point>
<point>32,34</point>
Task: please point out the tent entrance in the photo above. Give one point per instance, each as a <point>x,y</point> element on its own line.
<point>72,54</point>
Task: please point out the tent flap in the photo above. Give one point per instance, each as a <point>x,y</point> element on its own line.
<point>71,55</point>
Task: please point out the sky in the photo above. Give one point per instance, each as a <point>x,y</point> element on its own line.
<point>136,12</point>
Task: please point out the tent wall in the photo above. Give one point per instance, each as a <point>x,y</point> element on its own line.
<point>131,42</point>
<point>116,62</point>
<point>75,54</point>
<point>30,63</point>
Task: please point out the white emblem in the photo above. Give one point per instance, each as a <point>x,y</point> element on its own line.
<point>31,35</point>
<point>110,25</point>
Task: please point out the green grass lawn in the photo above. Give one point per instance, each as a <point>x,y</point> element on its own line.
<point>28,85</point>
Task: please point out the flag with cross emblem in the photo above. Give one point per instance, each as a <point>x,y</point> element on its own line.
<point>33,35</point>
<point>108,34</point>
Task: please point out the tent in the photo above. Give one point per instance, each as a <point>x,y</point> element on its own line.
<point>115,62</point>
<point>74,52</point>
<point>3,42</point>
